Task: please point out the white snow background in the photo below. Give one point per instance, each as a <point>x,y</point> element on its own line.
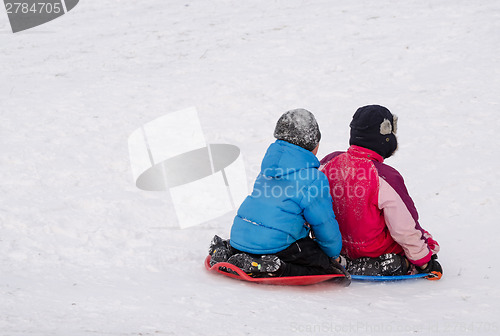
<point>84,252</point>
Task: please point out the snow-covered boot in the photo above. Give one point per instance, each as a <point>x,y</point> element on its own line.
<point>219,250</point>
<point>393,264</point>
<point>254,265</point>
<point>386,265</point>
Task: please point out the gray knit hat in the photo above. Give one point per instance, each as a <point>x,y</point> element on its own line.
<point>298,127</point>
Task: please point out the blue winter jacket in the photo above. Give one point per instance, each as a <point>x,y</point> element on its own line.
<point>289,193</point>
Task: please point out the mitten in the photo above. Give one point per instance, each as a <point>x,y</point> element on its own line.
<point>433,268</point>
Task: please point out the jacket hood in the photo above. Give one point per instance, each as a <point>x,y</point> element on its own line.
<point>283,158</point>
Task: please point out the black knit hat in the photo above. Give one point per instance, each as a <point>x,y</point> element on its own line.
<point>298,127</point>
<point>374,127</point>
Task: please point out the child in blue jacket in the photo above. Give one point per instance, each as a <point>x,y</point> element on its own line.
<point>270,235</point>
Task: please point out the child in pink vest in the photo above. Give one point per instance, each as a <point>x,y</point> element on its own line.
<point>381,234</point>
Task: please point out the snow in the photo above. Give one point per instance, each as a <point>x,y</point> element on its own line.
<point>84,252</point>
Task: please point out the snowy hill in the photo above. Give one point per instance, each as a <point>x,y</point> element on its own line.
<point>84,252</point>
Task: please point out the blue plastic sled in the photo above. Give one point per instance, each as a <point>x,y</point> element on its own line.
<point>388,278</point>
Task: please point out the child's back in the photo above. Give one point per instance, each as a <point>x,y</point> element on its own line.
<point>288,192</point>
<point>377,217</point>
<point>270,233</point>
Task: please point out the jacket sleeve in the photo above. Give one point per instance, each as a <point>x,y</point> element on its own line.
<point>318,212</point>
<point>404,228</point>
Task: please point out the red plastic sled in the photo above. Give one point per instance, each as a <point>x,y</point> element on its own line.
<point>286,281</point>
